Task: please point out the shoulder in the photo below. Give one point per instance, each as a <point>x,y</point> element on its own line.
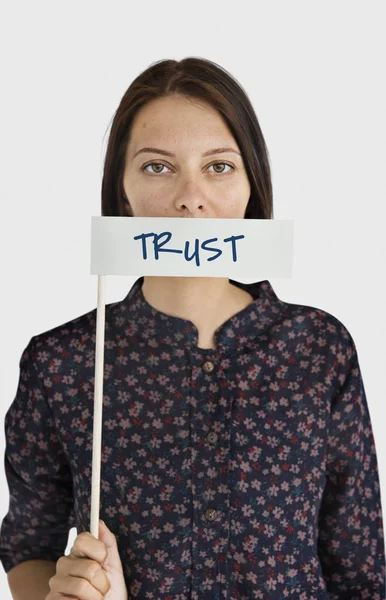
<point>73,335</point>
<point>318,327</point>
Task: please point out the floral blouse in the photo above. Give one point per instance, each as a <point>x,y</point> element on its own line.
<point>243,472</point>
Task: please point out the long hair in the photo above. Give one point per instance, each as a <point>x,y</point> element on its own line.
<point>200,79</point>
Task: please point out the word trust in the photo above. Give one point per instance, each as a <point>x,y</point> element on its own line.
<point>158,246</point>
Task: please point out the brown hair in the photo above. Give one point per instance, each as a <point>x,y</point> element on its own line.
<point>206,81</point>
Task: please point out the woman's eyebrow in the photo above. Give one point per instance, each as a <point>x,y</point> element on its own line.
<point>166,153</point>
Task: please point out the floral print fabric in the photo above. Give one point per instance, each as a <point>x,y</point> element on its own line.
<point>243,472</point>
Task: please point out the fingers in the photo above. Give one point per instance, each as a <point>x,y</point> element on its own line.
<point>71,568</point>
<point>73,587</point>
<point>80,574</point>
<point>88,546</point>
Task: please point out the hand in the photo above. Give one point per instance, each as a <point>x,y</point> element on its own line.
<point>92,571</point>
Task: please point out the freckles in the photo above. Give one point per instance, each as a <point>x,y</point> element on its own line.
<point>152,200</point>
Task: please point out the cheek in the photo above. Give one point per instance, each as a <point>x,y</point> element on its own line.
<point>152,198</point>
<point>142,195</point>
<point>152,203</point>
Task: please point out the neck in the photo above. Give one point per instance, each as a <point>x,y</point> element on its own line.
<point>206,301</point>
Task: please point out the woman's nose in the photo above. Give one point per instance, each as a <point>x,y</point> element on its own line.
<point>191,196</point>
<point>193,205</point>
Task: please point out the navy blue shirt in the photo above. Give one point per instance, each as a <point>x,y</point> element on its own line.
<point>243,472</point>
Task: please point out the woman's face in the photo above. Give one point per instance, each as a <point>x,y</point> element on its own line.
<point>184,174</point>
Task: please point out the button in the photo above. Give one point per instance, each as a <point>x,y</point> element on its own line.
<point>212,437</point>
<point>210,514</point>
<point>208,366</point>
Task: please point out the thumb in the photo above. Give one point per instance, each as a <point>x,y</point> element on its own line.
<point>113,559</point>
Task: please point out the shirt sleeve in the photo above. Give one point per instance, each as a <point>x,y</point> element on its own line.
<point>351,537</point>
<point>40,512</point>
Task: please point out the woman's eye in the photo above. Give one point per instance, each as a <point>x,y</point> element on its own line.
<point>221,163</point>
<point>151,164</point>
<point>160,165</point>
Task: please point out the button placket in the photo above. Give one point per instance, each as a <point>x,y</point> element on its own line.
<point>212,437</point>
<point>208,367</point>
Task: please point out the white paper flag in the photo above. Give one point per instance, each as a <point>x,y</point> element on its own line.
<point>190,247</point>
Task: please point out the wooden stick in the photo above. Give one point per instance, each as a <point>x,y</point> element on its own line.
<point>98,406</point>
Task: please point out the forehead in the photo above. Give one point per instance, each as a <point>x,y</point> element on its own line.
<point>177,118</point>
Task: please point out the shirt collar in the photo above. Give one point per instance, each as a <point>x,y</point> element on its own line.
<point>241,329</point>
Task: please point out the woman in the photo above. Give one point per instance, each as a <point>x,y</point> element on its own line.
<point>238,459</point>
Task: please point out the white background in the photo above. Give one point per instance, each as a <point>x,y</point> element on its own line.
<point>316,75</point>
